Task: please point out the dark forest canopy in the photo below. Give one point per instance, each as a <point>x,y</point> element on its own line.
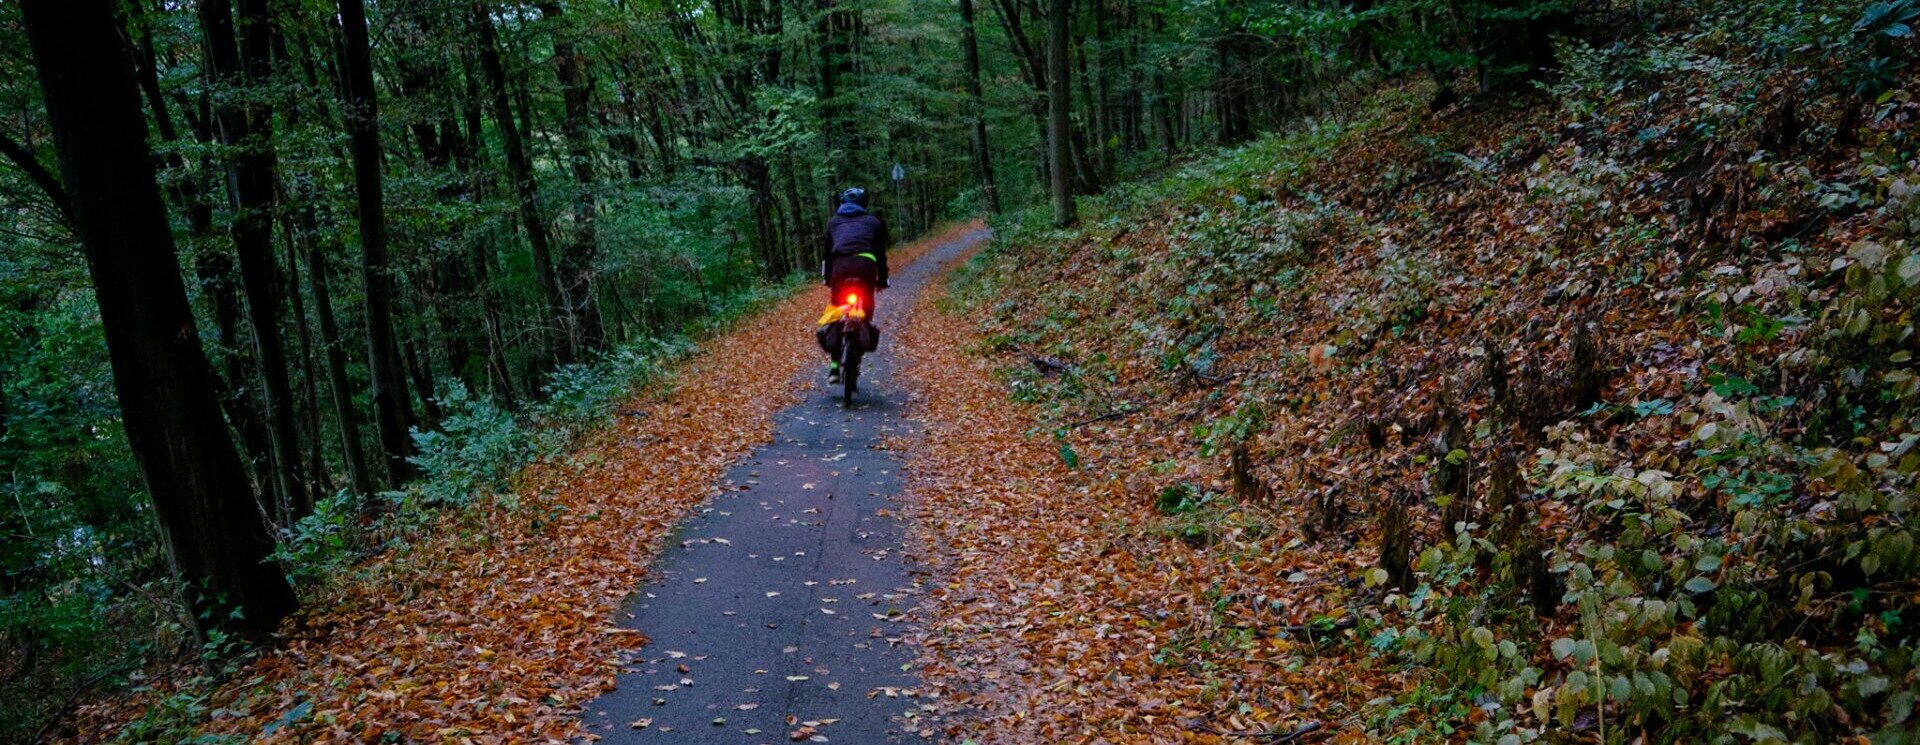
<point>404,242</point>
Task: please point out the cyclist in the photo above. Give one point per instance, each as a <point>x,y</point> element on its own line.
<point>856,252</point>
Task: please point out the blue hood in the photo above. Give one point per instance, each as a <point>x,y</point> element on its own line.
<point>850,209</point>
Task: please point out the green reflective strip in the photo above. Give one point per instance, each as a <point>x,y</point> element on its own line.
<point>869,257</point>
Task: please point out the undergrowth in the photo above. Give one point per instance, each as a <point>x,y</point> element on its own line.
<point>1599,397</point>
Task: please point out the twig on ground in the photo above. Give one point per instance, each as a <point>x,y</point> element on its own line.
<point>1305,728</point>
<point>1116,414</point>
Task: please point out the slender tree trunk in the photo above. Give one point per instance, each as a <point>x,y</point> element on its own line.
<point>246,130</point>
<point>333,352</point>
<point>213,269</point>
<point>392,407</point>
<point>339,386</point>
<point>1087,163</point>
<point>309,393</point>
<point>1164,101</point>
<point>339,383</point>
<point>1059,102</point>
<point>519,168</point>
<point>839,29</point>
<point>803,224</point>
<point>419,367</point>
<point>215,540</point>
<point>576,281</point>
<point>982,148</point>
<point>1233,90</point>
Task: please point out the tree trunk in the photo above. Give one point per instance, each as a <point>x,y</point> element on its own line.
<point>576,280</point>
<point>1233,94</point>
<point>392,408</point>
<point>213,268</point>
<point>309,394</point>
<point>519,168</point>
<point>1059,101</point>
<point>246,130</point>
<point>839,30</point>
<point>338,384</point>
<point>215,540</point>
<point>982,148</point>
<point>1094,67</point>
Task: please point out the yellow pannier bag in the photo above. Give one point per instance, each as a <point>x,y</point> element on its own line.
<point>836,312</point>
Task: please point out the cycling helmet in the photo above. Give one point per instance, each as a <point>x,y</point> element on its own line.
<point>855,195</point>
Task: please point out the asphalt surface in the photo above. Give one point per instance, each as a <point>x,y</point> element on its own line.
<point>777,610</point>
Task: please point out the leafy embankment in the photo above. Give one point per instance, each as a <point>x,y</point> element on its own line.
<point>1580,413</point>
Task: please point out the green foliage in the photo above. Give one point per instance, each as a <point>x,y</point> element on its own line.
<point>1200,518</point>
<point>1879,70</point>
<point>582,395</point>
<point>1233,428</point>
<point>479,443</point>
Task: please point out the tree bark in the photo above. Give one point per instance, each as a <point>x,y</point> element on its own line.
<point>982,148</point>
<point>215,540</point>
<point>839,30</point>
<point>322,482</point>
<point>1059,102</point>
<point>1233,84</point>
<point>246,130</point>
<point>519,167</point>
<point>576,281</point>
<point>339,386</point>
<point>1164,100</point>
<point>392,408</point>
<point>213,269</point>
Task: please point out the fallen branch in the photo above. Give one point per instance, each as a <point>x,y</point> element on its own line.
<point>1305,728</point>
<point>1048,365</point>
<point>1103,417</point>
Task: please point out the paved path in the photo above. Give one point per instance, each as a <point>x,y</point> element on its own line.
<point>781,602</point>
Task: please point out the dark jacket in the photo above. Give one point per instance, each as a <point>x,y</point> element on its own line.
<point>855,238</point>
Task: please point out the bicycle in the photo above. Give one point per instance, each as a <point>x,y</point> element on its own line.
<point>858,335</point>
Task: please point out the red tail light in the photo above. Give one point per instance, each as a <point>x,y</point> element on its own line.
<point>853,299</point>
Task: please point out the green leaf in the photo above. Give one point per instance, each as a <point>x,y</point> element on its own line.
<point>1909,269</point>
<point>1900,706</point>
<point>1620,688</point>
<point>1584,652</point>
<point>1754,730</point>
<point>1699,585</point>
<point>1707,563</point>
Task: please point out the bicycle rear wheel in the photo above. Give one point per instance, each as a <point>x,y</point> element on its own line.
<point>849,366</point>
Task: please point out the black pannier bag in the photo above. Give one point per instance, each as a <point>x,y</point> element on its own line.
<point>829,335</point>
